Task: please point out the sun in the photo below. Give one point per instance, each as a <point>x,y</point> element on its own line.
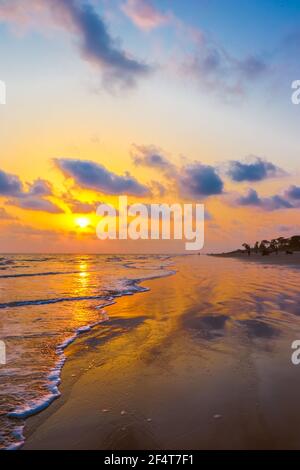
<point>82,222</point>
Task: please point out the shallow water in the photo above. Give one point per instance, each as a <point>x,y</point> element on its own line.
<point>45,303</point>
<point>206,354</point>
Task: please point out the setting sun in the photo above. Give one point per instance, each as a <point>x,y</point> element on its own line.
<point>82,222</point>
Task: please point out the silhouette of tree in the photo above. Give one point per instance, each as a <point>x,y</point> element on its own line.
<point>247,248</point>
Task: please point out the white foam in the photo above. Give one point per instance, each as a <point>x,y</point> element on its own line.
<point>54,377</point>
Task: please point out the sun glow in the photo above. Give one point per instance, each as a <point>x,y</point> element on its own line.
<point>82,222</point>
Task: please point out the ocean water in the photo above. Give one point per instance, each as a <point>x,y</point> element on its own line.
<point>46,302</point>
<point>210,338</point>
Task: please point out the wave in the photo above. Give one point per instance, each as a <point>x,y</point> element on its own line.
<point>33,407</point>
<point>49,273</point>
<point>133,286</point>
<point>53,378</point>
<point>37,405</point>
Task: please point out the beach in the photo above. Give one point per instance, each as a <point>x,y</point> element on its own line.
<point>281,258</point>
<point>201,360</point>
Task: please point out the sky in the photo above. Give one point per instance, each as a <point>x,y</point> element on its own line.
<point>163,101</point>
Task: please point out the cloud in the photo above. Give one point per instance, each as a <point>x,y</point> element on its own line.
<point>216,71</point>
<point>257,169</point>
<point>27,230</point>
<point>199,180</point>
<point>252,67</point>
<point>93,39</point>
<point>10,185</point>
<point>32,198</point>
<point>158,189</point>
<point>207,62</point>
<point>267,203</point>
<point>94,176</point>
<point>4,215</point>
<point>79,207</point>
<point>35,204</point>
<point>293,192</point>
<point>288,228</point>
<point>40,188</point>
<point>24,15</point>
<point>251,199</point>
<point>151,157</point>
<point>276,202</point>
<point>211,66</point>
<point>144,14</point>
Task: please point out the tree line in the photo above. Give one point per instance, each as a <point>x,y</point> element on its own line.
<point>276,245</point>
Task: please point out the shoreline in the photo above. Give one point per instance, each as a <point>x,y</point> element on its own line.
<point>280,259</point>
<point>180,368</point>
<point>74,369</point>
<point>39,406</point>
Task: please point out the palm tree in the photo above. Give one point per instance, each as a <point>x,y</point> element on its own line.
<point>274,246</point>
<point>247,248</point>
<point>263,248</point>
<point>282,243</point>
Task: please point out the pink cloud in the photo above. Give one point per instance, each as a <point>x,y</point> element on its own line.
<point>144,14</point>
<point>33,14</point>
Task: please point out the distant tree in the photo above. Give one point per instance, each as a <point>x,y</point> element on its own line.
<point>256,247</point>
<point>263,247</point>
<point>294,243</point>
<point>282,243</point>
<point>274,246</point>
<point>247,248</point>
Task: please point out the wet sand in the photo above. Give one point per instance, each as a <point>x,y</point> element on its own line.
<point>280,259</point>
<point>201,361</point>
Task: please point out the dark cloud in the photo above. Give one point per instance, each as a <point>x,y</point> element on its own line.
<point>267,203</point>
<point>199,180</point>
<point>32,198</point>
<point>251,199</point>
<point>10,185</point>
<point>277,202</point>
<point>40,188</point>
<point>293,192</point>
<point>257,169</point>
<point>35,204</point>
<point>91,35</point>
<point>94,176</point>
<point>96,44</point>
